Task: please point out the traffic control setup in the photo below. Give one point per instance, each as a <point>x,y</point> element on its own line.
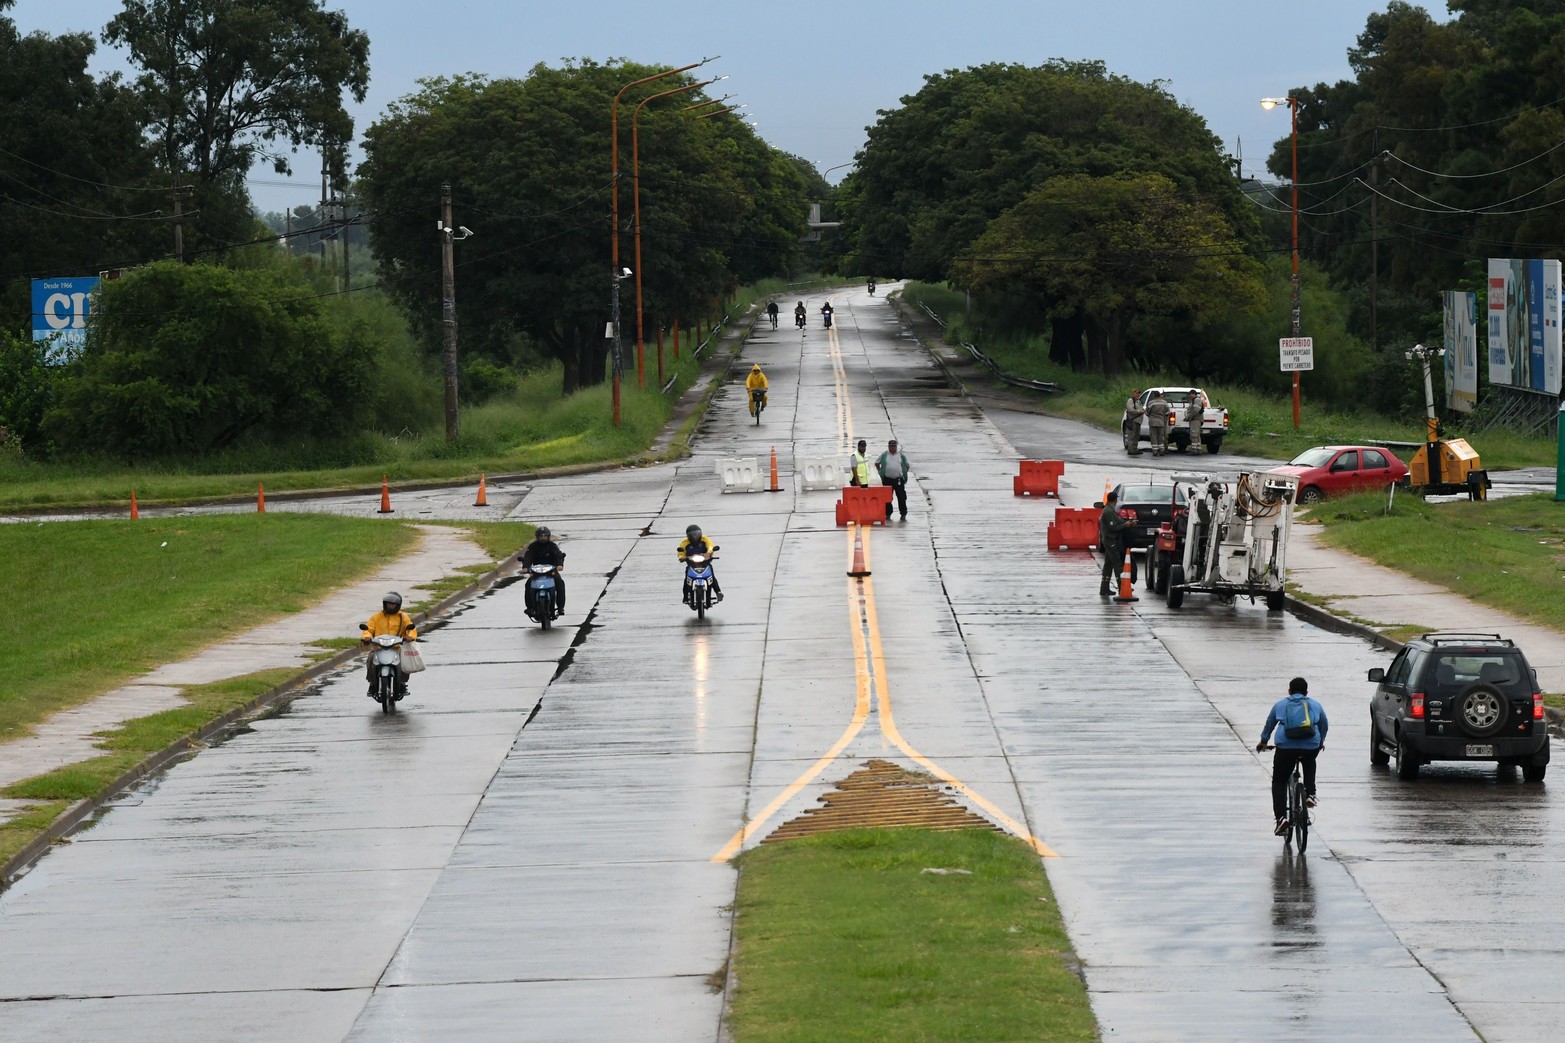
<point>864,505</point>
<point>1038,478</point>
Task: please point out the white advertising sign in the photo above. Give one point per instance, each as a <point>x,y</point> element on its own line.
<point>1298,354</point>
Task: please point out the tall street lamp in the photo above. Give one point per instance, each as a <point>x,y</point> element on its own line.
<point>635,220</point>
<point>1293,108</point>
<point>614,268</point>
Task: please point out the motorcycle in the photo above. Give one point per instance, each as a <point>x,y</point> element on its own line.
<point>757,403</point>
<point>872,287</point>
<point>386,656</point>
<point>698,582</point>
<point>798,319</point>
<point>827,316</point>
<point>543,593</point>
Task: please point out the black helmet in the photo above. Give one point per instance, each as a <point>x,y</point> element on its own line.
<point>394,600</point>
<point>544,533</point>
<point>692,533</point>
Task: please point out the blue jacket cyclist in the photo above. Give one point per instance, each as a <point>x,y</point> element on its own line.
<point>1300,749</point>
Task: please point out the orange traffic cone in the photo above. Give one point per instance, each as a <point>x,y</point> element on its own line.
<point>859,569</point>
<point>385,496</point>
<point>134,511</point>
<point>775,487</point>
<point>1108,487</point>
<point>260,498</point>
<point>1127,588</point>
<point>483,492</point>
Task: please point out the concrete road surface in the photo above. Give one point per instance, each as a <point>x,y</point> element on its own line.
<point>335,873</point>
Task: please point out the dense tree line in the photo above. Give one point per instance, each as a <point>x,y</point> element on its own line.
<point>530,167</point>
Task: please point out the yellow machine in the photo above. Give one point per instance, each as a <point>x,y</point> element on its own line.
<point>1443,465</point>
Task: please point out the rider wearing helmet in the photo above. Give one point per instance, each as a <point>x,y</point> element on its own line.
<point>544,551</point>
<point>799,313</point>
<point>755,381</point>
<point>389,620</point>
<point>698,543</point>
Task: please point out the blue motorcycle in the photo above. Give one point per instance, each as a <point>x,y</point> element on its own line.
<point>542,594</point>
<point>699,582</point>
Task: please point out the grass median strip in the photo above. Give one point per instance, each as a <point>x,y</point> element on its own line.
<point>905,934</point>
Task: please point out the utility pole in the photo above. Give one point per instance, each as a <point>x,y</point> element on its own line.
<point>181,193</point>
<point>1374,240</point>
<point>448,309</point>
<point>321,231</point>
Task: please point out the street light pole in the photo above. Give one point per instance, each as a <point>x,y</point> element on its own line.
<point>1293,109</point>
<point>614,267</point>
<point>635,220</point>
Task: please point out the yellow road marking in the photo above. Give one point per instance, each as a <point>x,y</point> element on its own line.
<point>870,672</point>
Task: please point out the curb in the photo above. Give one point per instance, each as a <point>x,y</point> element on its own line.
<point>215,731</point>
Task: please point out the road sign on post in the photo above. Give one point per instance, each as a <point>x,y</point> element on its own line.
<point>1298,354</point>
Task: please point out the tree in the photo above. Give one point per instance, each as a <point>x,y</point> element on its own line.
<point>972,143</point>
<point>227,82</point>
<point>192,358</point>
<point>528,162</point>
<point>1107,250</point>
<point>73,164</point>
<point>26,390</point>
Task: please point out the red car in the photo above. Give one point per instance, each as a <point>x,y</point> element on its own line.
<point>1335,470</point>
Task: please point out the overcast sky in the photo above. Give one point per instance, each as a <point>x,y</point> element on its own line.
<point>814,73</point>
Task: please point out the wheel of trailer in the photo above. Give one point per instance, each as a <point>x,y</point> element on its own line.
<point>1407,760</point>
<point>1377,756</point>
<point>1275,599</point>
<point>1149,569</point>
<point>1175,577</point>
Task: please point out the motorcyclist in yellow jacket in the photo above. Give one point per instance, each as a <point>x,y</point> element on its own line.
<point>695,542</point>
<point>389,620</point>
<point>756,381</point>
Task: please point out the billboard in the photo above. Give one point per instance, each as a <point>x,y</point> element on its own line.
<point>60,310</point>
<point>1524,324</point>
<point>1461,350</point>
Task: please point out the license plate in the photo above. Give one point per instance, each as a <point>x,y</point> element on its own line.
<point>1480,750</point>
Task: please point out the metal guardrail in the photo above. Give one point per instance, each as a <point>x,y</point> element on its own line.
<point>989,363</point>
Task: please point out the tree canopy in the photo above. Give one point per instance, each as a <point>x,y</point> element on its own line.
<point>529,164</point>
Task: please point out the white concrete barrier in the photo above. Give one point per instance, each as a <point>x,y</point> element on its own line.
<point>820,472</point>
<point>741,475</point>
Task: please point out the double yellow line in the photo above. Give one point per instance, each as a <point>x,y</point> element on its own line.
<point>871,678</point>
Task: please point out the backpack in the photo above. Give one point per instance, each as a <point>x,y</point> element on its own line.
<point>1296,720</point>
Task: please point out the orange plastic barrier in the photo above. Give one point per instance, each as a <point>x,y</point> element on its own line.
<point>864,505</point>
<point>1039,478</point>
<point>1073,528</point>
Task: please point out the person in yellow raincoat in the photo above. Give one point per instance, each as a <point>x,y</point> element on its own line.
<point>389,620</point>
<point>755,381</point>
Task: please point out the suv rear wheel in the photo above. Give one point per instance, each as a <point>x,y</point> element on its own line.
<point>1377,755</point>
<point>1407,760</point>
<point>1534,772</point>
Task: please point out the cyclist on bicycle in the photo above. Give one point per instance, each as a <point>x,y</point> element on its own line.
<point>771,312</point>
<point>1301,734</point>
<point>756,381</point>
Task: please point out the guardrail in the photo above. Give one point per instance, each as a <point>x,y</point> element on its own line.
<point>989,363</point>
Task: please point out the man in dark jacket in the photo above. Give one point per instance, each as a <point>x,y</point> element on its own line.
<point>544,551</point>
<point>1111,541</point>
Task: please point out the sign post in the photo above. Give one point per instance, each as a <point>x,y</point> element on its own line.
<point>1297,355</point>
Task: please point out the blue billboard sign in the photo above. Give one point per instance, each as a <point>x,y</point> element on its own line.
<point>60,310</point>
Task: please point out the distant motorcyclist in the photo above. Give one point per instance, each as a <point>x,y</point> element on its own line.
<point>800,315</point>
<point>544,551</point>
<point>389,620</point>
<point>756,381</point>
<point>872,287</point>
<point>826,310</point>
<point>695,542</point>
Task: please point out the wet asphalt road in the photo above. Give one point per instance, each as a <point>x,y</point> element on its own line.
<point>336,874</point>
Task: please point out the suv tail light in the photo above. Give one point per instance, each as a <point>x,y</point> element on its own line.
<point>1417,707</point>
<point>1537,706</point>
<point>1128,513</point>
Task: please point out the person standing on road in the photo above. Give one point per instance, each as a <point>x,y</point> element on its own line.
<point>756,381</point>
<point>1193,412</point>
<point>1132,425</point>
<point>858,466</point>
<point>894,470</point>
<point>544,551</point>
<point>1158,414</point>
<point>389,620</point>
<point>1111,540</point>
<point>1301,734</point>
<point>771,312</point>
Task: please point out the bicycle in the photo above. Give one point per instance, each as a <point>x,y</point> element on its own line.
<point>757,403</point>
<point>773,317</point>
<point>1298,812</point>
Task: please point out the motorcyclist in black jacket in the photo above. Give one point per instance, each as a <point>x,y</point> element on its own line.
<point>544,551</point>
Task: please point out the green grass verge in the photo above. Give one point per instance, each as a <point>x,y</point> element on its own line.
<point>844,937</point>
<point>18,832</point>
<point>1508,554</point>
<point>100,603</point>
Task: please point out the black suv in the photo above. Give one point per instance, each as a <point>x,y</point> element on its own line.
<point>1458,697</point>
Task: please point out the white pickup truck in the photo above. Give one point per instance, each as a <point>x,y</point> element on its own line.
<point>1214,421</point>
